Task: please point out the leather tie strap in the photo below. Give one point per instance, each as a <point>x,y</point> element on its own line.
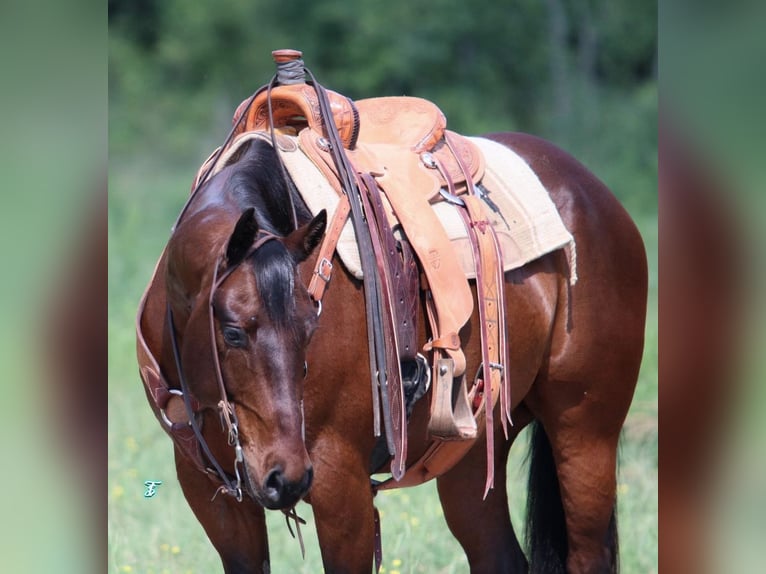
<point>449,341</point>
<point>487,296</point>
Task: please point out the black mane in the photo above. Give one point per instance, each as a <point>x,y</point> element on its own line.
<point>274,270</point>
<point>257,181</point>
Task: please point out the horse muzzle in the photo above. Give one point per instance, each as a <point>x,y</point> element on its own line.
<point>278,491</point>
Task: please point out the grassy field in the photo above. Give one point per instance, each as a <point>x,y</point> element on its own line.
<point>160,535</point>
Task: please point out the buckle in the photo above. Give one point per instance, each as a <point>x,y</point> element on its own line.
<point>324,269</point>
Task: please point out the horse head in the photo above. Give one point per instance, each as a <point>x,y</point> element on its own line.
<point>244,321</point>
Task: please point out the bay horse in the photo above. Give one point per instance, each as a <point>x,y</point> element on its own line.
<point>299,381</point>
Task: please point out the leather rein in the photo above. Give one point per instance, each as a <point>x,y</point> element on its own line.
<point>225,408</point>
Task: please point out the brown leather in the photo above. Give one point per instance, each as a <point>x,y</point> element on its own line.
<point>398,178</point>
<point>402,271</point>
<point>411,123</point>
<point>297,106</point>
<point>490,294</point>
<point>447,419</point>
<point>158,389</point>
<point>449,341</point>
<point>392,396</point>
<point>323,268</point>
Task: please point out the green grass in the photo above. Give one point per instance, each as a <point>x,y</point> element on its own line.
<point>160,535</point>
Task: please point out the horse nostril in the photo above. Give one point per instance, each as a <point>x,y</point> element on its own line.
<point>274,484</point>
<point>280,492</point>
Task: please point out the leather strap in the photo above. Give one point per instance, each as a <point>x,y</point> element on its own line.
<point>391,394</point>
<point>442,455</point>
<point>324,267</point>
<point>451,417</point>
<point>449,341</point>
<point>497,269</point>
<point>159,390</point>
<point>372,281</point>
<point>488,295</point>
<point>401,270</point>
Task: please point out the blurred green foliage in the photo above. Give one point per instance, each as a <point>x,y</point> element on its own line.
<point>579,72</point>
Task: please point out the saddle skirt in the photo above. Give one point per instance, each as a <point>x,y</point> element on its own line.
<point>526,221</point>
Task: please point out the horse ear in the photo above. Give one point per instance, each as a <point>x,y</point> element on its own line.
<point>302,242</point>
<point>242,237</point>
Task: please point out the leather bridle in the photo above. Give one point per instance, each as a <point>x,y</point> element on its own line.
<point>226,412</point>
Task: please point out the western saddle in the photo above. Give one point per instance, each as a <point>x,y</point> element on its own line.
<point>388,158</point>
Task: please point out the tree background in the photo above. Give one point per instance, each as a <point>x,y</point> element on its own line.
<point>582,73</point>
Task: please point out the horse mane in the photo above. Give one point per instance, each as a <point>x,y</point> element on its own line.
<point>274,270</point>
<point>257,180</point>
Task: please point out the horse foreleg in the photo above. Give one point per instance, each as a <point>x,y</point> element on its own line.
<point>483,527</point>
<point>236,529</point>
<point>343,511</point>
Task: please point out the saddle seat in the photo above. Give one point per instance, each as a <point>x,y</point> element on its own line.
<point>399,127</point>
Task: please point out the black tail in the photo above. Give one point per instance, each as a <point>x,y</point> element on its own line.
<point>546,535</point>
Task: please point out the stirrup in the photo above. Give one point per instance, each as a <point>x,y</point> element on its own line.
<point>451,416</point>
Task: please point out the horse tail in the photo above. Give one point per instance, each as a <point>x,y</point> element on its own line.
<point>546,534</point>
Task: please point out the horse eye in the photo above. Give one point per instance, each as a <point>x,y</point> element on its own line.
<point>234,336</point>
